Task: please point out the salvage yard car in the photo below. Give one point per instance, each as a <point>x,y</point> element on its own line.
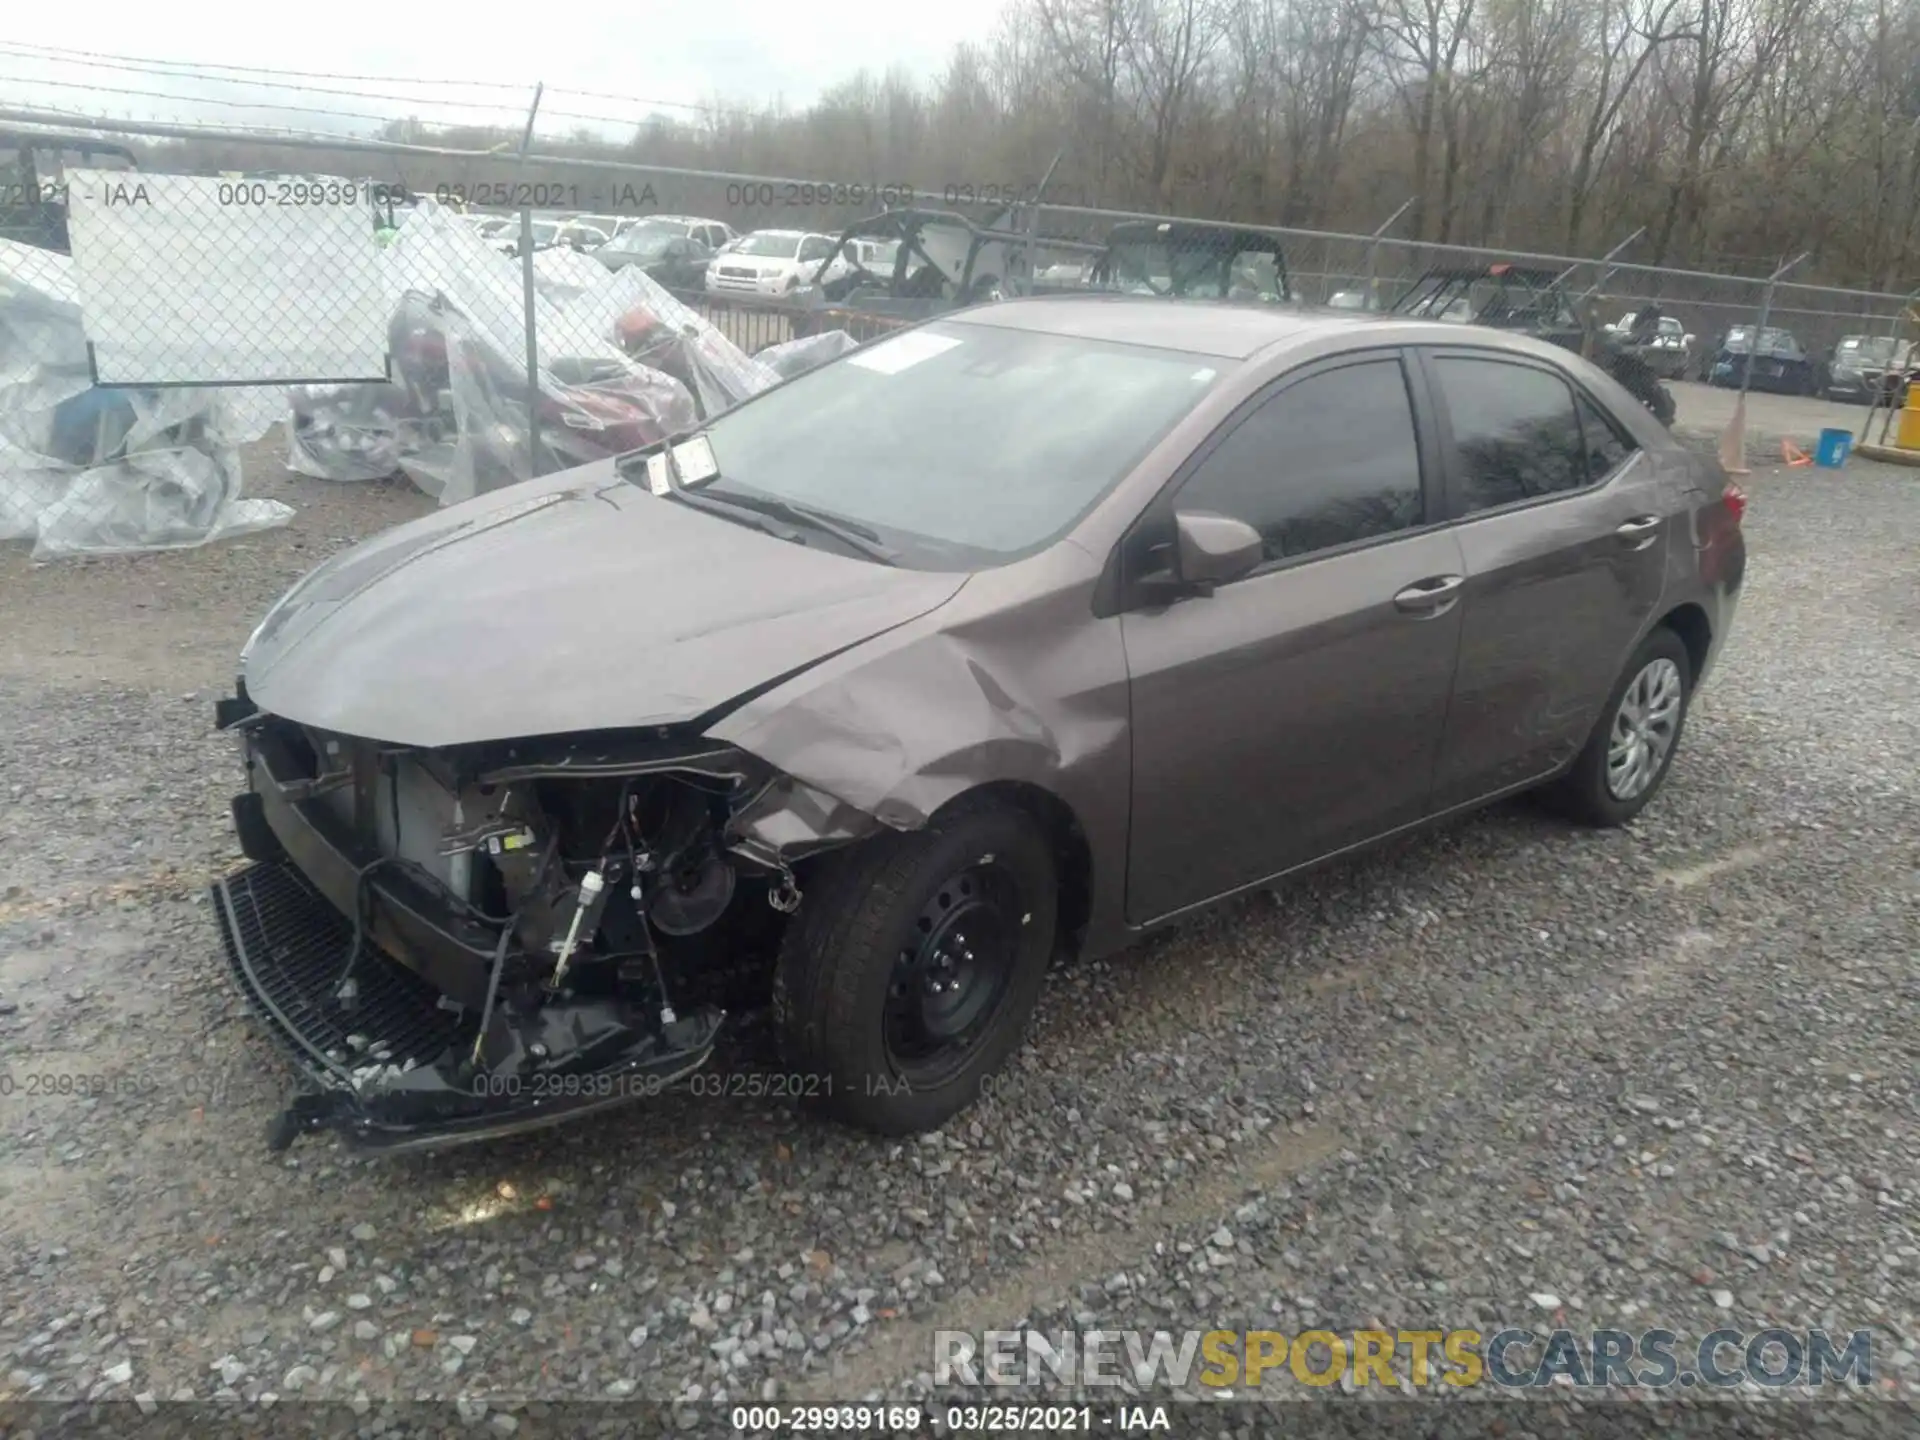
<point>677,261</point>
<point>1782,366</point>
<point>714,234</point>
<point>1870,369</point>
<point>1017,633</point>
<point>773,262</point>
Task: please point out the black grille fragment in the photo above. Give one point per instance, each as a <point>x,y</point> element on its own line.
<point>288,946</point>
<point>390,1072</point>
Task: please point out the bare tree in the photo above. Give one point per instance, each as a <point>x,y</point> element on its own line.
<point>1625,37</point>
<point>1169,47</point>
<point>1422,41</point>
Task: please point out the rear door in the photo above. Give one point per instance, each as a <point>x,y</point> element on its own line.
<point>1563,525</point>
<point>1298,710</point>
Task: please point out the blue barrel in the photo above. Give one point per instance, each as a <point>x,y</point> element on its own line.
<point>1833,448</point>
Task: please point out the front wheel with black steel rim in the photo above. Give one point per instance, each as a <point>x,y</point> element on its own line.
<point>908,976</point>
<point>1626,759</point>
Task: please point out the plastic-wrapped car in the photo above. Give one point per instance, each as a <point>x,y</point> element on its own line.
<point>87,469</point>
<point>455,414</point>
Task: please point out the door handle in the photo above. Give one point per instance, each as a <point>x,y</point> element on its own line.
<point>1639,532</point>
<point>1431,596</point>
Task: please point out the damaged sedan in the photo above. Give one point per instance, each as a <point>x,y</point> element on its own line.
<point>1010,636</point>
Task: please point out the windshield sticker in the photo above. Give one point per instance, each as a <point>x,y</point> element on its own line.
<point>694,457</point>
<point>1201,377</point>
<point>658,480</point>
<point>890,357</point>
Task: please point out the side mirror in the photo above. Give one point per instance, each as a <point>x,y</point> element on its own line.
<point>1208,550</point>
<point>1212,549</point>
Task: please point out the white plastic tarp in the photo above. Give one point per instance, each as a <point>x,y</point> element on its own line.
<point>719,372</point>
<point>454,417</point>
<point>87,470</point>
<point>795,357</point>
<point>194,280</point>
<point>561,274</point>
<point>622,363</point>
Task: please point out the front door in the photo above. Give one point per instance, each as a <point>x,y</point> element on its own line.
<point>1564,526</point>
<point>1296,711</point>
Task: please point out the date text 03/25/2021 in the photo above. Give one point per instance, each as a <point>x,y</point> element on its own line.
<point>968,1419</point>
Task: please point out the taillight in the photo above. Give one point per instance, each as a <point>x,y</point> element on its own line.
<point>1735,499</point>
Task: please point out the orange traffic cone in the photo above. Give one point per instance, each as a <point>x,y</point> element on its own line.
<point>1794,455</point>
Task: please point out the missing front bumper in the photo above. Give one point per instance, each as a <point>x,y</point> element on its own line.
<point>391,1072</point>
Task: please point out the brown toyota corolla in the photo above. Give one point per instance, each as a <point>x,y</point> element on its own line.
<point>1019,632</point>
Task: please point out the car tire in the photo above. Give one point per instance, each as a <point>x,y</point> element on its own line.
<point>1595,790</point>
<point>881,926</point>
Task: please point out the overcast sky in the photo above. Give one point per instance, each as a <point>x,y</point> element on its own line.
<point>683,53</point>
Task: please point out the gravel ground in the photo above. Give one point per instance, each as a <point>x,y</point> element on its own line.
<point>1664,1076</point>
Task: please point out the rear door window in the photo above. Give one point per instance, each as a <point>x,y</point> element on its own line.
<point>1608,447</point>
<point>1516,434</point>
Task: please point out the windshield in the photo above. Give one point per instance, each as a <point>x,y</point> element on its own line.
<point>1741,336</point>
<point>645,244</point>
<point>962,446</point>
<point>1450,298</point>
<point>1204,271</point>
<point>769,243</point>
<point>653,225</point>
<point>1867,347</point>
<point>544,230</point>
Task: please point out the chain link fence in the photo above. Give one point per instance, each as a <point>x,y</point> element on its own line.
<point>1370,272</point>
<point>469,321</point>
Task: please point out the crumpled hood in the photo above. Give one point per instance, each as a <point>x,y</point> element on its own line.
<point>575,602</point>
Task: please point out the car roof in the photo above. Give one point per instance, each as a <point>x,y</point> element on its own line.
<point>1205,327</point>
<point>1236,331</point>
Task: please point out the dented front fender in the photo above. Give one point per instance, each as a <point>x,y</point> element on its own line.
<point>989,692</point>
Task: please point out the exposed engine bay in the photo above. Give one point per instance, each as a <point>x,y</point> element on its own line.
<point>578,916</point>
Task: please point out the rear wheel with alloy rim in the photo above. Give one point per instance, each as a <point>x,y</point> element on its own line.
<point>1645,725</point>
<point>1627,757</point>
<point>908,976</point>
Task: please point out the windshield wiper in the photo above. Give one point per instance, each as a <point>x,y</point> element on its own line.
<point>764,512</point>
<point>739,514</point>
<point>853,536</point>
